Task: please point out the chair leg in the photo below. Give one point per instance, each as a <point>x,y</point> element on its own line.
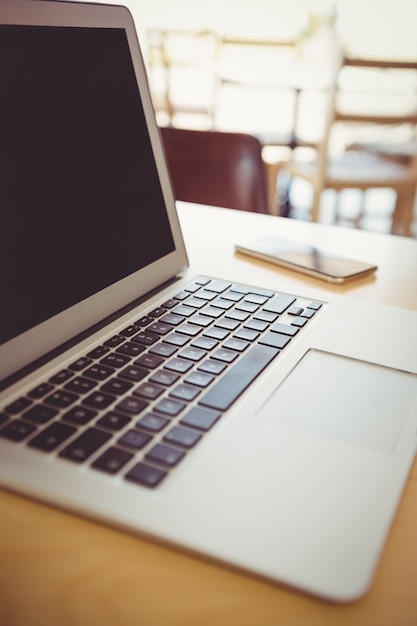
<point>362,208</point>
<point>315,206</point>
<point>336,206</point>
<point>402,216</point>
<point>272,173</point>
<point>283,191</point>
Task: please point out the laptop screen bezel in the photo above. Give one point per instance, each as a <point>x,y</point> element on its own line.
<point>45,337</point>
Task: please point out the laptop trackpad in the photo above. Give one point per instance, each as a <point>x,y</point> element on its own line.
<point>341,398</point>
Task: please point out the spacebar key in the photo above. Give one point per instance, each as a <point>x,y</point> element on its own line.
<point>238,378</point>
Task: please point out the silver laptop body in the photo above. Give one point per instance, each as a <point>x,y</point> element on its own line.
<point>282,452</point>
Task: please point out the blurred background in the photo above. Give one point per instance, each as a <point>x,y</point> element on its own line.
<point>263,67</point>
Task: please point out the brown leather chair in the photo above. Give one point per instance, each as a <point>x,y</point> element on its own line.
<point>218,168</point>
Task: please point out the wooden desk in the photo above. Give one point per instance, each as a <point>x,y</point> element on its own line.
<point>57,569</point>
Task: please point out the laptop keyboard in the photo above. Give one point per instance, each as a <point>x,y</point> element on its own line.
<point>137,404</point>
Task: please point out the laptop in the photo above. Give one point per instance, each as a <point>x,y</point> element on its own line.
<point>270,432</point>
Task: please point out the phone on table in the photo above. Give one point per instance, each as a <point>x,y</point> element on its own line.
<point>306,258</point>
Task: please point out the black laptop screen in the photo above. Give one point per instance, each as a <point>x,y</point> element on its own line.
<point>80,200</point>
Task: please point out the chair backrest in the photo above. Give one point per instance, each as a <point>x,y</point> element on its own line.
<point>393,111</point>
<point>218,168</point>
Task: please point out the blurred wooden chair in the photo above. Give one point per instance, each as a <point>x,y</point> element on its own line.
<point>363,168</point>
<point>217,168</point>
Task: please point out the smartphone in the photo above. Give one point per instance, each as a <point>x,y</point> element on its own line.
<point>306,258</point>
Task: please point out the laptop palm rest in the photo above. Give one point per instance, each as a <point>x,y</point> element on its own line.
<point>341,398</point>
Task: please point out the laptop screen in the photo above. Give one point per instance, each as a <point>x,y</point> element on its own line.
<point>80,197</point>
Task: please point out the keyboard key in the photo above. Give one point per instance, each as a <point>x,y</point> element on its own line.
<point>98,352</point>
<point>145,475</point>
<point>257,325</point>
<point>81,385</point>
<point>160,310</point>
<point>275,340</point>
<point>164,378</point>
<point>116,386</point>
<point>144,321</point>
<point>244,289</point>
<point>236,344</point>
<point>227,324</point>
<point>217,285</point>
<point>169,407</point>
<point>114,421</point>
<point>256,298</point>
<point>145,338</point>
<point>193,354</point>
<point>246,334</point>
<point>130,349</point>
<point>315,305</point>
<point>61,399</point>
<point>184,392</point>
<point>151,361</point>
<point>196,303</point>
<point>295,310</point>
<point>133,373</point>
<point>200,320</point>
<point>132,405</point>
<point>165,455</point>
<point>222,354</point>
<point>135,439</point>
<point>98,400</point>
<point>52,437</point>
<point>152,422</point>
<point>299,321</point>
<point>172,319</point>
<point>279,303</point>
<point>212,367</point>
<point>80,364</point>
<point>149,390</point>
<point>40,414</point>
<point>83,446</point>
<point>179,365</point>
<point>18,406</point>
<point>212,311</point>
<point>98,372</point>
<point>112,460</point>
<point>169,304</point>
<point>216,333</point>
<point>160,328</point>
<point>184,310</point>
<point>79,415</point>
<point>163,349</point>
<point>61,377</point>
<point>17,430</point>
<point>203,294</point>
<point>199,378</point>
<point>200,418</point>
<point>130,330</point>
<point>285,329</point>
<point>40,391</point>
<point>234,296</point>
<point>191,330</point>
<point>182,437</point>
<point>248,307</point>
<point>228,388</point>
<point>115,341</point>
<point>177,340</point>
<point>222,303</point>
<point>265,316</point>
<point>205,343</point>
<point>115,360</point>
